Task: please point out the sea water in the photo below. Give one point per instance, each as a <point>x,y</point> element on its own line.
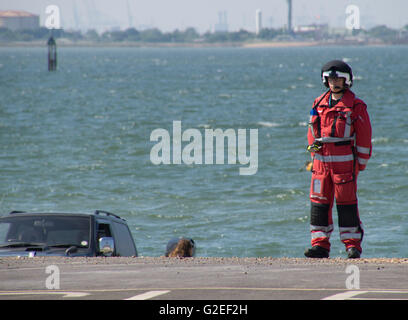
<point>78,139</point>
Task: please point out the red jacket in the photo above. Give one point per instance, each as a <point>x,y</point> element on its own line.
<point>345,124</point>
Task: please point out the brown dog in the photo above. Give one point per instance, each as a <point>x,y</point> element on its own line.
<point>180,247</point>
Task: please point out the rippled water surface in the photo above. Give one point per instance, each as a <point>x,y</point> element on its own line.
<point>78,139</point>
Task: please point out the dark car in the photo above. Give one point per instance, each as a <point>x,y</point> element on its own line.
<point>65,234</point>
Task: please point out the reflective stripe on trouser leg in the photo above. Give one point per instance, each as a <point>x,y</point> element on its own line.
<point>321,224</point>
<point>351,231</point>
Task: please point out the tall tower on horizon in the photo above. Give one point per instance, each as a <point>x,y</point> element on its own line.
<point>289,16</point>
<point>258,21</point>
<point>222,25</point>
<point>129,13</point>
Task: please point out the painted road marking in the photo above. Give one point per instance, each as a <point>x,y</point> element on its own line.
<point>148,295</point>
<point>344,295</point>
<point>353,295</point>
<point>376,294</point>
<point>64,293</point>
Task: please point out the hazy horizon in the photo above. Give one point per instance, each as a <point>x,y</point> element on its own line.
<point>204,15</point>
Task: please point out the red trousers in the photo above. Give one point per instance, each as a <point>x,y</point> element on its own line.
<point>326,185</point>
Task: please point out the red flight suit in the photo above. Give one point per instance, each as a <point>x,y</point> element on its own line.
<point>345,133</point>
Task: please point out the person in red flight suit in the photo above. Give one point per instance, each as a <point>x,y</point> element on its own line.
<point>339,138</point>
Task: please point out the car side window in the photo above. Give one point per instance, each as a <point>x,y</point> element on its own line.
<point>103,230</point>
<point>4,232</point>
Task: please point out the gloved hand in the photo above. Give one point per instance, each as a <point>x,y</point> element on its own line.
<point>315,147</point>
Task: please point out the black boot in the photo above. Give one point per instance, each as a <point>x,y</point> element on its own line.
<point>353,253</point>
<point>317,252</point>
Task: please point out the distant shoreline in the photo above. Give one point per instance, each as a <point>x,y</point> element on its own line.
<point>268,44</point>
<point>263,44</point>
<point>64,43</point>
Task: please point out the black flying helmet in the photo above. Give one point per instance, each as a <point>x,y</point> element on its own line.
<point>339,69</point>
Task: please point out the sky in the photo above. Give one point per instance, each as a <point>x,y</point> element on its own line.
<point>203,15</point>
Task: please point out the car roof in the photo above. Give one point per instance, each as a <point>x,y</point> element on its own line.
<point>96,213</point>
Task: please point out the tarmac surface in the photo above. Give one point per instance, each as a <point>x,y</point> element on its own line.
<point>160,278</point>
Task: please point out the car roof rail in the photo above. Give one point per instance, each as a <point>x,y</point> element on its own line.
<point>108,214</point>
<point>16,211</point>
